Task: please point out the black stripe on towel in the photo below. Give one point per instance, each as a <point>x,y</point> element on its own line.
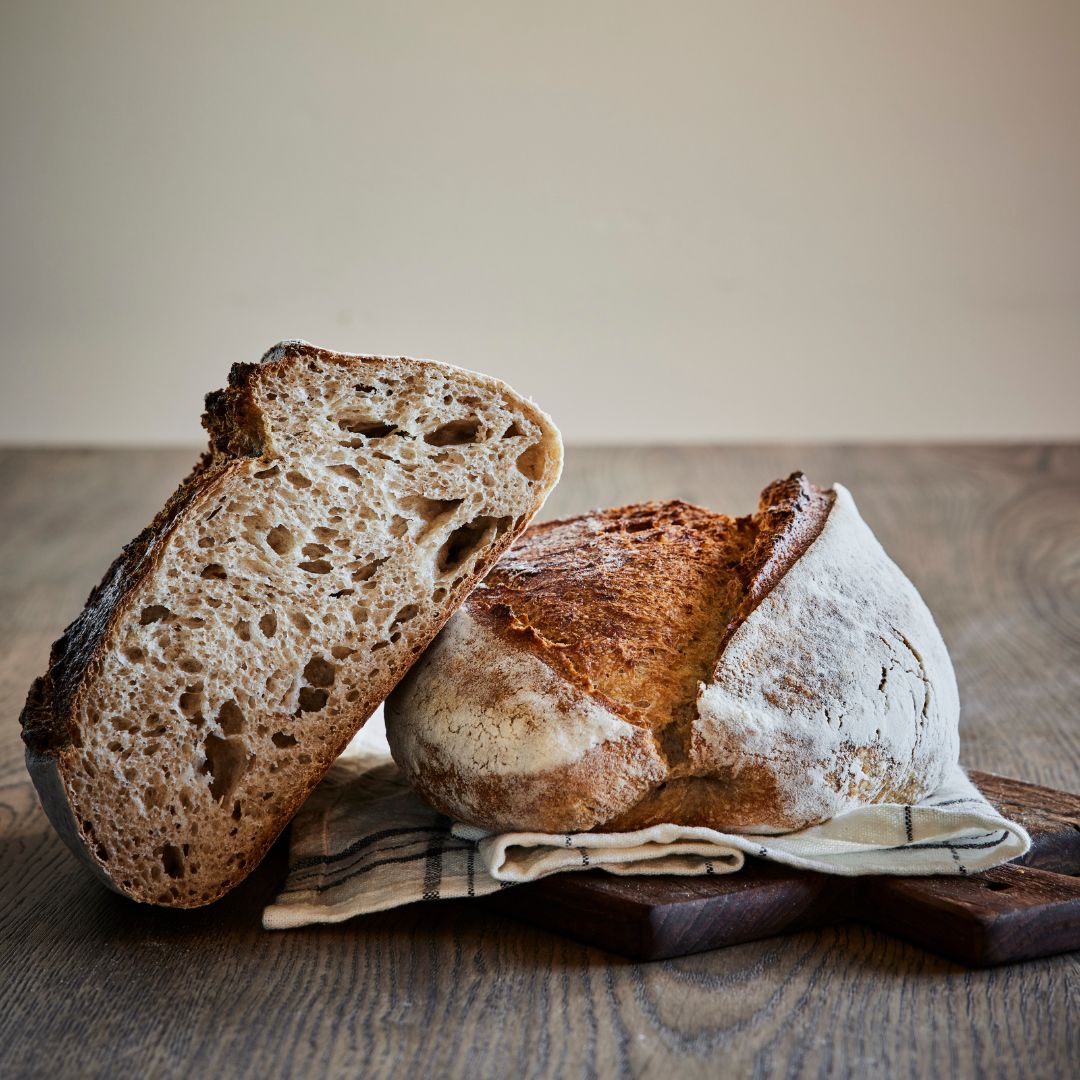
<point>953,802</point>
<point>320,887</point>
<point>944,845</point>
<point>364,842</point>
<point>433,867</point>
<point>327,872</point>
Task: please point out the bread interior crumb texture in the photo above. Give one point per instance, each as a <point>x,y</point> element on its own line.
<point>286,601</point>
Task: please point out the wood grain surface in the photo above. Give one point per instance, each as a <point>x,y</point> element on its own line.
<point>92,985</point>
<point>1010,913</point>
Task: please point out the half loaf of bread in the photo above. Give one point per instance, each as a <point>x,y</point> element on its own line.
<point>664,664</point>
<point>346,507</point>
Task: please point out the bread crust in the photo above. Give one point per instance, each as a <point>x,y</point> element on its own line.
<point>707,635</point>
<point>238,437</point>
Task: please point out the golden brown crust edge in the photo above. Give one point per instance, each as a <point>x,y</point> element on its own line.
<point>565,599</point>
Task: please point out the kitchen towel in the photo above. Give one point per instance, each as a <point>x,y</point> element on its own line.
<point>365,842</point>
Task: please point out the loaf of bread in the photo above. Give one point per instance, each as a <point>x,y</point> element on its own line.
<point>345,508</point>
<point>664,664</point>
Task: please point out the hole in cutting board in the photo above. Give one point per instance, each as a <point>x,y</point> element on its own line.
<point>998,886</point>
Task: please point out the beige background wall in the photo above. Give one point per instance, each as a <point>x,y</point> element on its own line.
<point>669,221</point>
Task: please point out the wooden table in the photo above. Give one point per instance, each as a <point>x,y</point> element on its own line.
<point>93,985</point>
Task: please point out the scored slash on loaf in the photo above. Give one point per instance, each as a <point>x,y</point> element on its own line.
<point>346,507</point>
<point>664,664</point>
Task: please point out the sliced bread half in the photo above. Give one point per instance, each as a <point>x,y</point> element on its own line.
<point>346,506</point>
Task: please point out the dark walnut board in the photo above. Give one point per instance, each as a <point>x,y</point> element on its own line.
<point>1019,911</point>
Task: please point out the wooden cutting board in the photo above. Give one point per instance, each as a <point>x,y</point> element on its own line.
<point>1017,912</point>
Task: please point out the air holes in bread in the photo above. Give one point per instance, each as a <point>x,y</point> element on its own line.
<point>513,431</point>
<point>364,571</point>
<point>226,760</point>
<point>297,479</point>
<point>281,740</point>
<point>454,433</point>
<point>231,718</point>
<point>319,672</point>
<point>367,426</point>
<point>467,539</point>
<point>409,611</point>
<point>315,551</point>
<point>153,613</point>
<point>316,566</point>
<point>191,701</point>
<point>172,861</point>
<point>268,624</point>
<point>265,474</point>
<point>430,510</point>
<point>280,540</point>
<point>312,700</point>
<point>531,462</point>
<point>256,521</point>
<point>300,621</point>
<point>213,572</point>
<point>347,471</point>
<point>243,630</point>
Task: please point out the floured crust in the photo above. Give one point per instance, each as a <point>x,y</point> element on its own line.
<point>504,729</point>
<point>782,666</point>
<point>115,783</point>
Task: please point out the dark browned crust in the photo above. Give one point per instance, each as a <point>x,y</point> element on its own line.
<point>47,716</point>
<point>616,601</point>
<point>727,801</point>
<point>791,514</point>
<point>236,431</point>
<point>635,605</point>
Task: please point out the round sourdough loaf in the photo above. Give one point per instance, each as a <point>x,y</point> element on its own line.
<point>662,663</point>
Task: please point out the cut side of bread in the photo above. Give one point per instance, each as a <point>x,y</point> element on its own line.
<point>662,663</point>
<point>346,507</point>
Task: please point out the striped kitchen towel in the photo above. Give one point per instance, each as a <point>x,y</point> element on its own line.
<point>364,842</point>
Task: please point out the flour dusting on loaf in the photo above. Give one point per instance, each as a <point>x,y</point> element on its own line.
<point>838,683</point>
<point>504,712</point>
<point>767,672</point>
